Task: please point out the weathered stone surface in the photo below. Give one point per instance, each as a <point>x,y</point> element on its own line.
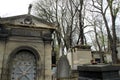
<point>34,38</point>
<point>63,68</point>
<point>99,72</point>
<point>82,55</point>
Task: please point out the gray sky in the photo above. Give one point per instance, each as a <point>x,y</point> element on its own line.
<point>14,7</point>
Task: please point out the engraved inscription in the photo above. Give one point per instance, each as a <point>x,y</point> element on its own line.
<point>25,32</point>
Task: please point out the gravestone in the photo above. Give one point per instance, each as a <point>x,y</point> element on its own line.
<point>63,68</point>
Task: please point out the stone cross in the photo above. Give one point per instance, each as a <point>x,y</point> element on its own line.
<point>29,9</point>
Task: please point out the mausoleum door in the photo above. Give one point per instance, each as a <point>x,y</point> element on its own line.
<point>23,66</point>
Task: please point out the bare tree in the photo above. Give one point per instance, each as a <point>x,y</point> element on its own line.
<point>98,34</point>
<point>70,17</point>
<point>64,14</point>
<point>112,7</point>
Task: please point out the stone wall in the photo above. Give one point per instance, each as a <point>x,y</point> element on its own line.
<point>82,57</point>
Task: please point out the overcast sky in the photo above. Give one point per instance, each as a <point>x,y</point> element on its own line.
<point>14,7</point>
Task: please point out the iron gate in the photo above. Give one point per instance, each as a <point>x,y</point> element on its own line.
<point>23,66</point>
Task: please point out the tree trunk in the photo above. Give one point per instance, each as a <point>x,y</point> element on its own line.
<point>114,46</point>
<point>98,44</point>
<point>113,13</point>
<point>81,36</point>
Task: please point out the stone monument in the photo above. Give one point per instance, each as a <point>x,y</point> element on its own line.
<point>25,48</point>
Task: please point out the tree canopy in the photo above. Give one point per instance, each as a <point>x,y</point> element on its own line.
<point>82,22</point>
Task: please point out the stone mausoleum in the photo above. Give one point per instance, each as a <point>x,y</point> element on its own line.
<point>25,48</point>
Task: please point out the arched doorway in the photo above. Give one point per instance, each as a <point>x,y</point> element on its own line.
<point>23,66</point>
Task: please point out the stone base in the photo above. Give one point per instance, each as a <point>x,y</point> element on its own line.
<point>99,72</point>
<point>83,78</point>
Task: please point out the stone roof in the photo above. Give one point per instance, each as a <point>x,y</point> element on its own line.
<point>31,21</point>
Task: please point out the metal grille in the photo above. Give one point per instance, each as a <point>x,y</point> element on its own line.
<point>23,66</point>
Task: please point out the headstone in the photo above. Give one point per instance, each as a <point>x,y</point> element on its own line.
<point>63,67</point>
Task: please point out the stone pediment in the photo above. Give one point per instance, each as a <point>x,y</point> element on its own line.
<point>26,26</point>
<point>26,21</point>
